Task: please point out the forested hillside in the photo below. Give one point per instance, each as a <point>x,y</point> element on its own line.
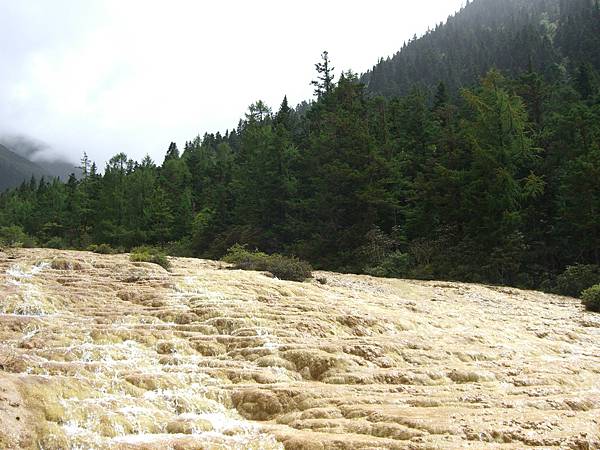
<point>498,184</point>
<point>553,37</point>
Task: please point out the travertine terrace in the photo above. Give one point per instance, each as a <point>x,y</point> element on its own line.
<point>99,352</point>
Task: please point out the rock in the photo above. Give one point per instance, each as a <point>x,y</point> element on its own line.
<point>117,355</point>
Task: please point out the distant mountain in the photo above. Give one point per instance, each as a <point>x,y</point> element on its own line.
<point>553,37</point>
<point>52,163</point>
<point>61,169</point>
<point>14,169</point>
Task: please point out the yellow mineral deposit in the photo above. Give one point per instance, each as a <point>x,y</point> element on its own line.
<point>97,352</point>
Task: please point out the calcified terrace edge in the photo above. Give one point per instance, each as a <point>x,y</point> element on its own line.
<point>99,352</point>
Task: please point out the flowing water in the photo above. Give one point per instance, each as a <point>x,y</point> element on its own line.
<point>99,353</point>
<point>101,378</point>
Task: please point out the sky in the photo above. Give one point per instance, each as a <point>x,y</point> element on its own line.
<point>110,76</point>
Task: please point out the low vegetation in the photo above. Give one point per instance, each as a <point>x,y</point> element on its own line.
<point>494,184</point>
<point>576,279</point>
<point>591,298</point>
<point>283,267</point>
<point>151,255</point>
<point>103,249</point>
<point>14,236</point>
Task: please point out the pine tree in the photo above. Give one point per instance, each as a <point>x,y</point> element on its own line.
<point>172,152</point>
<point>324,83</point>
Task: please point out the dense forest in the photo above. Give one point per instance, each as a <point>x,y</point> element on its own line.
<point>498,184</point>
<point>551,36</point>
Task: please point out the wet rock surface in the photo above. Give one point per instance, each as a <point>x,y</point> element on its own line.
<point>99,352</point>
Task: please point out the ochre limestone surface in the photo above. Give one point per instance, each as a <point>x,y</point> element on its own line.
<point>97,352</point>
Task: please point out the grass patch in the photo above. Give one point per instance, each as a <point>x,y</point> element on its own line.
<point>151,255</point>
<point>282,267</point>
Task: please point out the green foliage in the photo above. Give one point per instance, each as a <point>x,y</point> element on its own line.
<point>591,298</point>
<point>14,236</point>
<point>394,265</point>
<point>324,82</point>
<point>181,248</point>
<point>575,279</point>
<point>498,186</point>
<point>382,258</point>
<point>282,267</point>
<point>239,255</point>
<point>151,255</point>
<point>513,36</point>
<point>103,249</point>
<point>288,267</point>
<point>56,242</point>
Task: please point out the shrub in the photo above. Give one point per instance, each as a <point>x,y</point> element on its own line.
<point>56,243</point>
<point>243,258</point>
<point>151,255</point>
<point>591,298</point>
<point>576,279</point>
<point>288,268</point>
<point>394,265</point>
<point>181,248</point>
<point>103,249</point>
<point>15,236</point>
<point>283,267</point>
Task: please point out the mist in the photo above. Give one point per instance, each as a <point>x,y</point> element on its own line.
<point>104,77</point>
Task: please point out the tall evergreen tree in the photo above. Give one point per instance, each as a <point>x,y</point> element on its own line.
<point>324,83</point>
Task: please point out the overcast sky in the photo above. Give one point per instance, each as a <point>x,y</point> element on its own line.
<point>107,76</point>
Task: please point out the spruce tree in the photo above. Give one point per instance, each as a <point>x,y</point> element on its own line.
<point>324,83</point>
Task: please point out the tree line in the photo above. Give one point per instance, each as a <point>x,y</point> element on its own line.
<point>500,184</point>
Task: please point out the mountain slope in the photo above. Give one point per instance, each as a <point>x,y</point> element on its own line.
<point>15,169</point>
<point>100,352</point>
<point>58,168</point>
<point>551,36</point>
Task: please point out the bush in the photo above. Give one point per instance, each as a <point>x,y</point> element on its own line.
<point>288,268</point>
<point>591,298</point>
<point>243,258</point>
<point>151,255</point>
<point>181,248</point>
<point>15,236</point>
<point>56,243</point>
<point>103,249</point>
<point>575,279</point>
<point>394,265</point>
<point>283,267</point>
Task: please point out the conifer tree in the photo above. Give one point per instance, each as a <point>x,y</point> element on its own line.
<point>324,83</point>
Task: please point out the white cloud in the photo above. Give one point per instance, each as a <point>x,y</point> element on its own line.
<point>132,75</point>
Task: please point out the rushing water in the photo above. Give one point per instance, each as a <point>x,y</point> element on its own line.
<point>109,394</point>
